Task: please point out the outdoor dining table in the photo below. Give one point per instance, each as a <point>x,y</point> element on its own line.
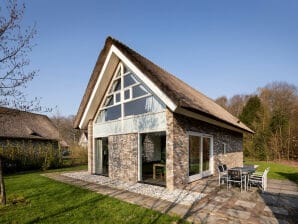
<point>246,171</point>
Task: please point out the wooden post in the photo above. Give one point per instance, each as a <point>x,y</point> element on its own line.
<point>2,186</point>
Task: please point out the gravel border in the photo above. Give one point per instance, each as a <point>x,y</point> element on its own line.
<point>177,196</point>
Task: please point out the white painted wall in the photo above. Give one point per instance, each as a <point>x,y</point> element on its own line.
<point>150,122</point>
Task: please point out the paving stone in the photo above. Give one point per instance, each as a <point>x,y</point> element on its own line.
<point>221,199</point>
<point>218,206</point>
<point>238,214</point>
<point>276,210</point>
<point>288,192</point>
<point>268,220</point>
<point>282,221</point>
<point>286,201</point>
<point>245,204</point>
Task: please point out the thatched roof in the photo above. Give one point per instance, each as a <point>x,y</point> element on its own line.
<point>20,124</point>
<point>183,95</point>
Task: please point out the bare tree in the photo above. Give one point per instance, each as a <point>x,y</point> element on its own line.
<point>15,45</point>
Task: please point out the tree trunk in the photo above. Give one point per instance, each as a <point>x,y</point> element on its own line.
<point>2,186</point>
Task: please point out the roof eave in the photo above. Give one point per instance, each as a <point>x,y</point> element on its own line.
<point>189,112</point>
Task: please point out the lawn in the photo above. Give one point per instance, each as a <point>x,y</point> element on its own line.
<point>42,200</point>
<point>277,170</point>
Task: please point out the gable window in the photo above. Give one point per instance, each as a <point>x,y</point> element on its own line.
<point>127,96</point>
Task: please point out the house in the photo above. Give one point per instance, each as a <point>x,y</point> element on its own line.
<point>83,140</point>
<point>146,125</point>
<point>20,127</point>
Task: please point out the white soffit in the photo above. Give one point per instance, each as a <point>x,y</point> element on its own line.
<point>114,50</point>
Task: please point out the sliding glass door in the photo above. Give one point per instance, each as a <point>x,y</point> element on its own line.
<point>200,156</point>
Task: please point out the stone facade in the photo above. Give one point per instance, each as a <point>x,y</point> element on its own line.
<point>123,150</point>
<point>123,157</point>
<point>177,147</point>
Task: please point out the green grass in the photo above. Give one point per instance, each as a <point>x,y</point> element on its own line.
<point>42,200</point>
<point>277,170</point>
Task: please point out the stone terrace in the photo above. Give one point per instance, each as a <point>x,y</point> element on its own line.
<point>212,205</point>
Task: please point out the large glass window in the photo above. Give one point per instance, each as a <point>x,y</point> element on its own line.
<point>153,157</point>
<point>127,93</point>
<point>194,155</point>
<point>199,155</point>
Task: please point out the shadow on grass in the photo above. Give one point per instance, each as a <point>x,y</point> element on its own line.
<point>67,209</point>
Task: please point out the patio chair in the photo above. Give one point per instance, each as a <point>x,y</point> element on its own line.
<point>222,174</point>
<point>236,176</point>
<point>259,179</point>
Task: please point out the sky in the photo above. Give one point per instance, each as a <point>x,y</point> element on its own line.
<point>218,47</point>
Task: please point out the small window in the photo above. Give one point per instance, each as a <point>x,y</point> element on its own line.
<point>129,80</point>
<point>118,97</point>
<point>118,73</point>
<point>109,101</point>
<point>138,91</point>
<point>125,69</point>
<point>127,94</point>
<point>116,86</point>
<point>224,148</point>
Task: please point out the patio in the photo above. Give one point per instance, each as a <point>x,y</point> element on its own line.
<point>211,204</point>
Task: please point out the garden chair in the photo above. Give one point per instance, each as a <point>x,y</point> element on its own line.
<point>222,173</point>
<point>259,179</point>
<point>236,176</point>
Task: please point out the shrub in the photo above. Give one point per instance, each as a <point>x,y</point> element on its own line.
<point>28,155</point>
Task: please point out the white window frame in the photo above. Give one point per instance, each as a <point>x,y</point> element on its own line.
<point>122,101</point>
<point>211,159</point>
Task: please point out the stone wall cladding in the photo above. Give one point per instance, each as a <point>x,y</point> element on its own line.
<point>123,157</point>
<point>179,125</point>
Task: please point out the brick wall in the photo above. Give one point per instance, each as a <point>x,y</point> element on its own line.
<point>123,157</point>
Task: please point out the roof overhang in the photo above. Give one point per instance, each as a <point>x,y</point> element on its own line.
<point>105,75</point>
<point>210,120</point>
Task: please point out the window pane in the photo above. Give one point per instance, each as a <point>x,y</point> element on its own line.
<point>113,113</point>
<point>116,86</point>
<point>206,153</point>
<point>136,107</point>
<point>129,80</point>
<point>118,95</point>
<point>126,94</point>
<point>125,69</point>
<point>118,73</point>
<point>109,101</point>
<point>138,91</point>
<point>194,155</point>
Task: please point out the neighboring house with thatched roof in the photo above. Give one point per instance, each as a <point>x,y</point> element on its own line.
<point>146,125</point>
<point>20,127</point>
<point>83,140</point>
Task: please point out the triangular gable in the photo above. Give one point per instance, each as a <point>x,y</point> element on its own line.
<point>112,60</point>
<point>178,96</point>
<point>127,95</point>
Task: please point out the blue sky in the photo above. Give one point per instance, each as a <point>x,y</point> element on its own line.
<point>218,47</point>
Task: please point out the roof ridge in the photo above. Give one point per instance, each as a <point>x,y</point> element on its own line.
<point>22,111</point>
